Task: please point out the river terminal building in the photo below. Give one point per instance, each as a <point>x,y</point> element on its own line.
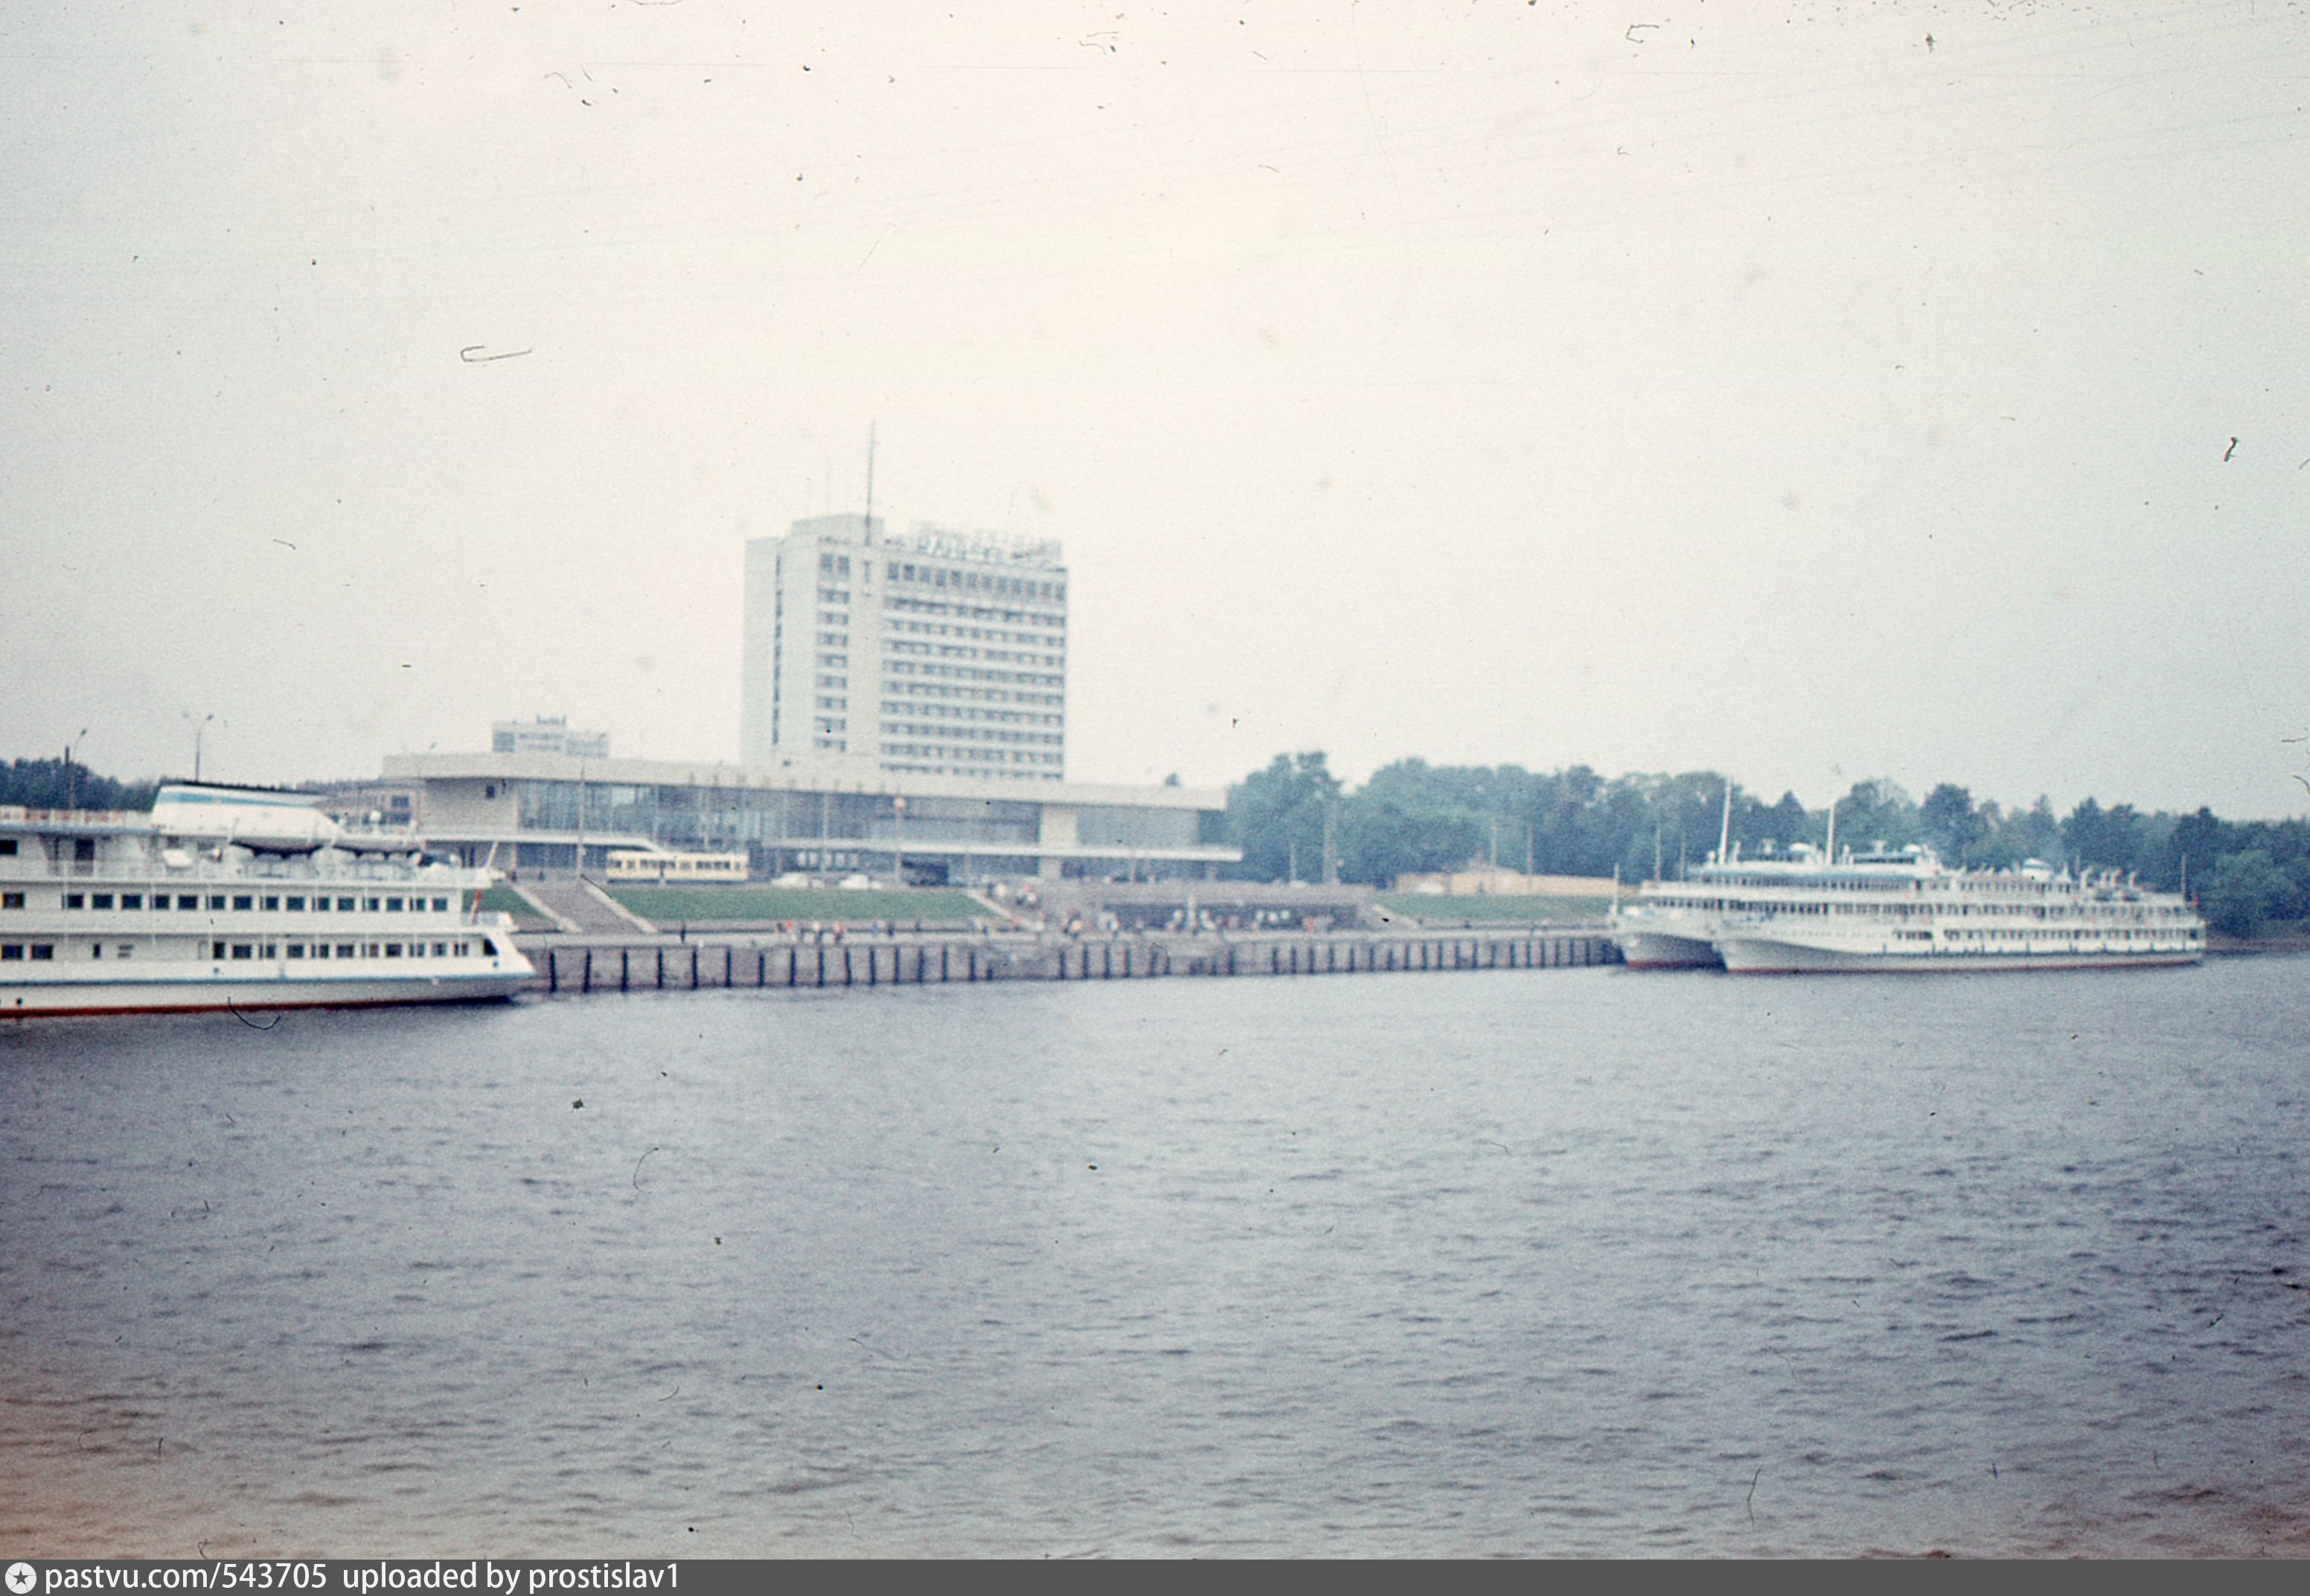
<point>817,812</point>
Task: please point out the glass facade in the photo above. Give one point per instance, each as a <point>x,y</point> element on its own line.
<point>1105,828</point>
<point>955,832</point>
<point>776,826</point>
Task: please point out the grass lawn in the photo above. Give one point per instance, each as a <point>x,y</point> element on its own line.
<point>505,900</point>
<point>1492,906</point>
<point>672,906</point>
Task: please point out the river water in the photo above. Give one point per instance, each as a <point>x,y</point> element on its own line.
<point>1585,1261</point>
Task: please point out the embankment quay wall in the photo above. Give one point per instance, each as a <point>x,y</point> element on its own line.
<point>571,968</point>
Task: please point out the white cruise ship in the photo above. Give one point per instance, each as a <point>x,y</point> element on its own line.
<point>233,897</point>
<point>1904,911</point>
<point>1674,925</point>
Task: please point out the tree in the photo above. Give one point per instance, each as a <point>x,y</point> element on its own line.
<point>2243,889</point>
<point>1877,812</point>
<point>2199,840</point>
<point>2017,834</point>
<point>1785,822</point>
<point>1381,839</point>
<point>1686,808</point>
<point>2102,838</point>
<point>50,784</point>
<point>2297,876</point>
<point>1950,823</point>
<point>1276,817</point>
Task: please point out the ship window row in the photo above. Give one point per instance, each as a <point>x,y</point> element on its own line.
<point>231,950</point>
<point>15,950</point>
<point>2106,932</point>
<point>2079,914</point>
<point>244,903</point>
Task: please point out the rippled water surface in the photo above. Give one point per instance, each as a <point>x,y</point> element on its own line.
<point>1555,1261</point>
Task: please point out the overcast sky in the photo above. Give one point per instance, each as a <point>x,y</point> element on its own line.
<point>1811,393</point>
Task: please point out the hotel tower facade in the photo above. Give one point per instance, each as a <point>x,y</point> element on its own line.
<point>931,653</point>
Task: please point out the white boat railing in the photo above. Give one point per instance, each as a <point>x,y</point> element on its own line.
<point>244,870</point>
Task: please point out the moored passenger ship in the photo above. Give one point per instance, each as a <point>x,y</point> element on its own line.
<point>1674,925</point>
<point>235,898</point>
<point>1904,911</point>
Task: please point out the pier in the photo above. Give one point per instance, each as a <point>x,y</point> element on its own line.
<point>664,965</point>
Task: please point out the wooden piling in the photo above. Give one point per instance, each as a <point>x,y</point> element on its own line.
<point>1074,959</point>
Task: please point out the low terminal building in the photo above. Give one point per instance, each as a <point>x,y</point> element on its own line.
<point>1490,880</point>
<point>537,813</point>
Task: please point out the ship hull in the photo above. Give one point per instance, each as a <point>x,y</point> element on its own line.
<point>1654,950</point>
<point>178,912</point>
<point>1769,956</point>
<point>60,999</point>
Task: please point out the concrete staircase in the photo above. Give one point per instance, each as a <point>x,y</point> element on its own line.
<point>581,908</point>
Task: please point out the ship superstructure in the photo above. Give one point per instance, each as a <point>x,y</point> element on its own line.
<point>234,897</point>
<point>1674,925</point>
<point>1902,910</point>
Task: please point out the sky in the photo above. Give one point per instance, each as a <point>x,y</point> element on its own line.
<point>1811,393</point>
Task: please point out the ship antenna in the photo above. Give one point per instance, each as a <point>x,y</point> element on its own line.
<point>1832,833</point>
<point>1724,835</point>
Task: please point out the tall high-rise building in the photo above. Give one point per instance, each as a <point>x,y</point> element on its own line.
<point>938,652</point>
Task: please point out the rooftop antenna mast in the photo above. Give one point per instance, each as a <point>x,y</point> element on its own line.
<point>870,480</point>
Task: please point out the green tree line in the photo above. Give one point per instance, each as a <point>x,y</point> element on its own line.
<point>53,784</point>
<point>1296,821</point>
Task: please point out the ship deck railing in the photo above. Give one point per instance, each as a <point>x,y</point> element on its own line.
<point>287,871</point>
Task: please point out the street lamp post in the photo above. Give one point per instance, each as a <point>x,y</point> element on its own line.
<point>71,774</point>
<point>198,727</point>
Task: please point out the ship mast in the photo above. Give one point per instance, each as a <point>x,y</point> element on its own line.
<point>1725,835</point>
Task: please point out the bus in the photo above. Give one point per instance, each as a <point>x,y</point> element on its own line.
<point>635,864</point>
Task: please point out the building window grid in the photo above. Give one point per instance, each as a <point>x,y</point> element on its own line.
<point>969,655</point>
<point>777,649</point>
